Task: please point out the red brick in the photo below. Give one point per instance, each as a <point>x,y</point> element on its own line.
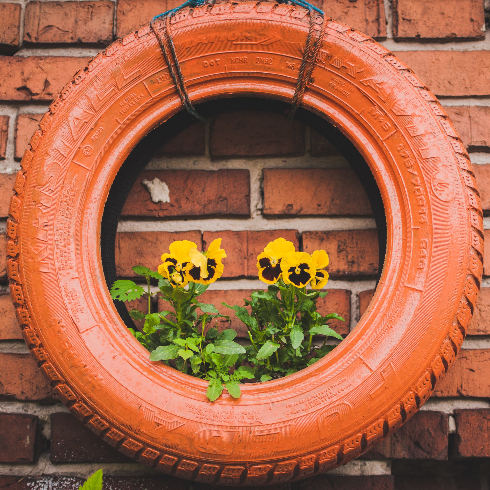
<point>112,482</point>
<point>36,77</point>
<point>255,134</point>
<point>424,436</point>
<point>6,193</point>
<point>21,379</point>
<point>72,442</point>
<point>443,20</point>
<point>132,14</point>
<point>486,254</point>
<point>472,124</point>
<point>69,22</point>
<point>10,31</point>
<point>473,433</point>
<point>20,438</point>
<point>9,326</point>
<point>191,141</point>
<point>243,247</point>
<point>480,323</point>
<point>192,193</point>
<point>4,134</point>
<point>314,192</point>
<point>460,116</point>
<point>367,16</point>
<point>468,377</point>
<point>320,146</point>
<point>437,483</point>
<point>25,126</point>
<point>451,73</point>
<point>352,253</point>
<point>365,298</point>
<point>330,482</point>
<point>336,301</point>
<point>3,257</point>
<point>146,248</point>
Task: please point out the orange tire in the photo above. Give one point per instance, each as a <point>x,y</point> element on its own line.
<point>339,407</point>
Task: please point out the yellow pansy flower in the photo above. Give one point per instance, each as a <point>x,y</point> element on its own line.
<point>176,264</point>
<point>297,269</point>
<point>269,261</point>
<point>206,267</point>
<point>320,260</point>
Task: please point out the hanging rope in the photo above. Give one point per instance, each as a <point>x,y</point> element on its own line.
<point>306,68</point>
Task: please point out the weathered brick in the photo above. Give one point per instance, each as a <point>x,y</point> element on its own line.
<point>330,482</point>
<point>320,146</point>
<point>4,134</point>
<point>468,377</point>
<point>441,20</point>
<point>6,185</point>
<point>486,254</point>
<point>451,73</point>
<point>112,482</point>
<point>336,301</point>
<point>36,77</point>
<point>3,257</point>
<point>69,22</point>
<point>10,31</point>
<point>25,126</point>
<point>132,15</point>
<point>72,442</point>
<point>21,379</point>
<point>367,16</point>
<point>255,134</point>
<point>20,438</point>
<point>466,482</point>
<point>192,193</point>
<point>146,248</point>
<point>9,326</point>
<point>191,141</point>
<point>352,253</point>
<point>472,124</point>
<point>424,436</point>
<point>480,323</point>
<point>473,433</point>
<point>313,192</point>
<point>365,298</point>
<point>243,247</point>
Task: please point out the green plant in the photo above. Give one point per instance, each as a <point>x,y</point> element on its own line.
<point>94,482</point>
<point>282,323</point>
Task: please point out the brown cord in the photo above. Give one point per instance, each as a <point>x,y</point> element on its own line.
<point>304,77</point>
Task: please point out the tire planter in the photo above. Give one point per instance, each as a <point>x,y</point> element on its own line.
<point>339,407</point>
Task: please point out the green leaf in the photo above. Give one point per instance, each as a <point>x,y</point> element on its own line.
<point>144,271</point>
<point>323,294</point>
<point>228,347</point>
<point>94,482</point>
<point>185,354</point>
<point>233,388</point>
<point>200,288</point>
<point>228,334</point>
<point>180,342</point>
<point>297,336</point>
<point>212,333</point>
<point>164,353</point>
<point>209,348</point>
<point>267,350</point>
<point>124,290</point>
<point>151,321</point>
<point>333,316</point>
<point>207,308</point>
<point>265,377</point>
<point>215,389</point>
<point>325,330</point>
<point>136,315</point>
<point>242,314</point>
<point>230,360</point>
<point>246,372</point>
<point>196,362</point>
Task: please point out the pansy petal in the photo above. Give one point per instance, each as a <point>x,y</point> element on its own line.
<point>270,274</point>
<point>199,260</point>
<point>180,250</point>
<point>320,280</point>
<point>278,248</point>
<point>214,251</point>
<point>320,258</point>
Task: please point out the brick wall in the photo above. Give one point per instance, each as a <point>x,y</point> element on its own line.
<point>232,179</point>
